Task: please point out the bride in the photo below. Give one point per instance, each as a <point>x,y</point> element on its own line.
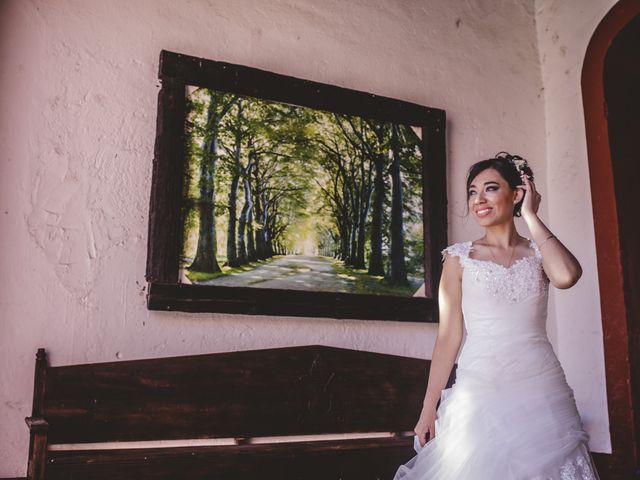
<point>510,415</point>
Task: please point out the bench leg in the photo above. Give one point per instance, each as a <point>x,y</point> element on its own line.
<point>37,457</point>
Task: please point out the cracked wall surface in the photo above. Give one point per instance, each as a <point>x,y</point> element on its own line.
<point>78,89</point>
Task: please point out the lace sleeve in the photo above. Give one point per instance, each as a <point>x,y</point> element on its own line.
<point>538,255</point>
<point>460,250</point>
<point>536,250</point>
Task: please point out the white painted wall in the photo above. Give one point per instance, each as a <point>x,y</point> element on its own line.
<point>78,89</point>
<point>564,31</point>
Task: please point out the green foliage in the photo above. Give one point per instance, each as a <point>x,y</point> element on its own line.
<point>374,285</point>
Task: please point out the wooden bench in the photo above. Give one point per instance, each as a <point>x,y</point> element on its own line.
<point>344,414</point>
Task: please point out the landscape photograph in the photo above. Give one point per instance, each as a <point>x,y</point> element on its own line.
<point>287,197</point>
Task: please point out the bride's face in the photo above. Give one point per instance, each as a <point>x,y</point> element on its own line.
<point>491,199</point>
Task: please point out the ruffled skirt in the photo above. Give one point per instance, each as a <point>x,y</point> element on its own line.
<point>515,425</point>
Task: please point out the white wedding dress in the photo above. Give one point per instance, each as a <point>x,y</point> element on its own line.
<point>510,414</point>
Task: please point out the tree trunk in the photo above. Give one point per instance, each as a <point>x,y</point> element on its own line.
<point>353,238</point>
<point>232,256</point>
<point>376,264</point>
<point>365,202</point>
<point>205,259</point>
<point>266,233</point>
<point>251,244</point>
<point>398,269</point>
<point>260,248</point>
<point>245,216</point>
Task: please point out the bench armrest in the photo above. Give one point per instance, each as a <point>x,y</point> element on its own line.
<point>37,424</point>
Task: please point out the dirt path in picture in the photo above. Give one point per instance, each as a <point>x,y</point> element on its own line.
<point>292,272</point>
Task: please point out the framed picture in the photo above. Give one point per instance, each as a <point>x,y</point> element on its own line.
<point>273,195</point>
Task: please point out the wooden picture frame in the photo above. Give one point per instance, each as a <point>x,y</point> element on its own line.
<point>166,291</point>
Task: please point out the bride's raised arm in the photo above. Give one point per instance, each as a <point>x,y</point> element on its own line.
<point>562,268</point>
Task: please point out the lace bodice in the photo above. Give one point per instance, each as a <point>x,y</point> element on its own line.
<point>507,304</point>
<point>523,278</point>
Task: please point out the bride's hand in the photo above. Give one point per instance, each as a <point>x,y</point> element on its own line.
<point>425,428</point>
<point>532,198</point>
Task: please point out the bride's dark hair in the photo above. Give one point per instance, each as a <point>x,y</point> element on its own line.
<point>508,166</point>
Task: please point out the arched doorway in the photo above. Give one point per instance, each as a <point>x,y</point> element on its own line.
<point>611,96</point>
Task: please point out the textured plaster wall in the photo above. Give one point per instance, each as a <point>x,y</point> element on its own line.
<point>78,90</point>
<point>564,31</point>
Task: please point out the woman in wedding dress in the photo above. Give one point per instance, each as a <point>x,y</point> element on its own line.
<point>510,414</point>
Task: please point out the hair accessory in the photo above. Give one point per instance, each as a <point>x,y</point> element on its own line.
<point>518,162</point>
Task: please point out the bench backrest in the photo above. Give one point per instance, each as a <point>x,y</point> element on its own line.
<point>273,392</point>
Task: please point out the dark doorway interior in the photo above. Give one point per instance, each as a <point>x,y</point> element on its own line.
<point>622,96</point>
